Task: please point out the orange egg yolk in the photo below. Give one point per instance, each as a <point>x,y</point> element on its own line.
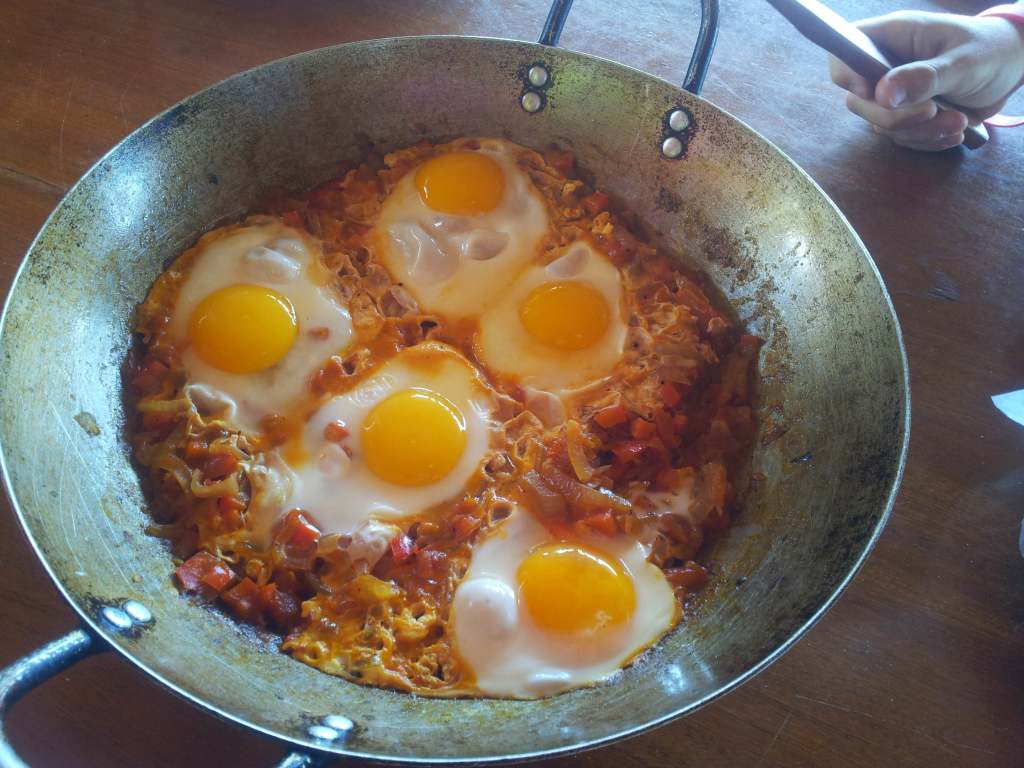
<point>243,328</point>
<point>414,437</point>
<point>461,183</point>
<point>574,589</point>
<point>565,315</point>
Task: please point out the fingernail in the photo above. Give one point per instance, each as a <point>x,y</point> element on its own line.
<point>899,95</point>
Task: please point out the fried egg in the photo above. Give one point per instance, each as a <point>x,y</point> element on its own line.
<point>407,438</point>
<point>536,615</point>
<point>559,327</point>
<point>255,316</point>
<point>458,228</point>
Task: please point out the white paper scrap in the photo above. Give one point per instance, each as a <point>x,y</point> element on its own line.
<point>1011,404</point>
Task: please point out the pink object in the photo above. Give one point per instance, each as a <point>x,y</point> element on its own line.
<point>1015,13</point>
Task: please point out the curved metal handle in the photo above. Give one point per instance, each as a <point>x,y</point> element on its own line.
<point>39,666</point>
<point>32,670</point>
<point>700,60</point>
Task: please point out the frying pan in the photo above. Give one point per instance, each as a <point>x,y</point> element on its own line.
<point>833,404</point>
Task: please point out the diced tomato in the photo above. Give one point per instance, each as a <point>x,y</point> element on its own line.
<point>562,161</point>
<point>430,563</point>
<point>680,422</point>
<point>670,395</point>
<point>402,548</point>
<point>641,429</point>
<point>149,378</point>
<point>595,203</point>
<point>603,522</point>
<point>204,570</point>
<point>611,416</point>
<point>294,219</point>
<point>243,600</point>
<point>463,526</point>
<point>690,575</point>
<point>220,465</point>
<point>335,431</point>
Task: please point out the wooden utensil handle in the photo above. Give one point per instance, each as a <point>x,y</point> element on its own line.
<point>830,31</point>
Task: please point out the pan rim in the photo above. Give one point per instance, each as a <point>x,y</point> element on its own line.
<point>113,640</point>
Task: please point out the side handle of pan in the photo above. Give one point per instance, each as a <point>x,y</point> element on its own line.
<point>700,60</point>
<point>51,659</point>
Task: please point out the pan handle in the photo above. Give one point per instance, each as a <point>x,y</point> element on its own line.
<point>43,663</point>
<point>32,670</point>
<point>700,60</point>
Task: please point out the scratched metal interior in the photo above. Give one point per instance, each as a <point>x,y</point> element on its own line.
<point>834,393</point>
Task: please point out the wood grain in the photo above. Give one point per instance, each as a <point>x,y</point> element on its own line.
<point>922,661</point>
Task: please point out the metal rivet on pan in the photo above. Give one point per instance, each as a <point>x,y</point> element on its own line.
<point>672,147</point>
<point>339,723</point>
<point>679,120</point>
<point>323,733</point>
<point>537,76</point>
<point>531,101</point>
<point>139,613</point>
<point>117,618</point>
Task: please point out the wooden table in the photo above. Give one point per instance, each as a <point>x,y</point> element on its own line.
<point>920,663</point>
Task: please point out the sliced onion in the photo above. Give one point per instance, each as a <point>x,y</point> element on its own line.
<point>574,444</point>
<point>580,495</point>
<point>549,502</point>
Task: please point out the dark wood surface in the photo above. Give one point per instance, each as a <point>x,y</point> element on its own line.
<point>920,663</point>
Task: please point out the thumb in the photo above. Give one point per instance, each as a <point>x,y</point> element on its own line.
<point>916,83</point>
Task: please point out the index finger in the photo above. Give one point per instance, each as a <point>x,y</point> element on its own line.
<point>849,80</point>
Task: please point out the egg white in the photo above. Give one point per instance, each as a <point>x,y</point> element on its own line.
<point>505,346</point>
<point>455,264</point>
<point>278,257</point>
<point>340,491</point>
<point>510,655</point>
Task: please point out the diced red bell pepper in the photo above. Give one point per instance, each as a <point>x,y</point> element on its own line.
<point>282,606</point>
<point>335,432</point>
<point>463,526</point>
<point>603,522</point>
<point>220,465</point>
<point>430,563</point>
<point>562,161</point>
<point>402,548</point>
<point>294,219</point>
<point>611,416</point>
<point>227,504</point>
<point>690,575</point>
<point>629,450</point>
<point>641,429</point>
<point>299,533</point>
<point>148,379</point>
<point>204,570</point>
<point>595,203</point>
<point>670,396</point>
<point>243,600</point>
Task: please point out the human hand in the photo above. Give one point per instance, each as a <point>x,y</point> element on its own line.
<point>969,61</point>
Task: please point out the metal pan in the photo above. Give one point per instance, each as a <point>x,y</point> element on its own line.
<point>834,404</point>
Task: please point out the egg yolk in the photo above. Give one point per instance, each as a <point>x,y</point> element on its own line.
<point>414,437</point>
<point>243,328</point>
<point>461,183</point>
<point>571,588</point>
<point>565,315</point>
